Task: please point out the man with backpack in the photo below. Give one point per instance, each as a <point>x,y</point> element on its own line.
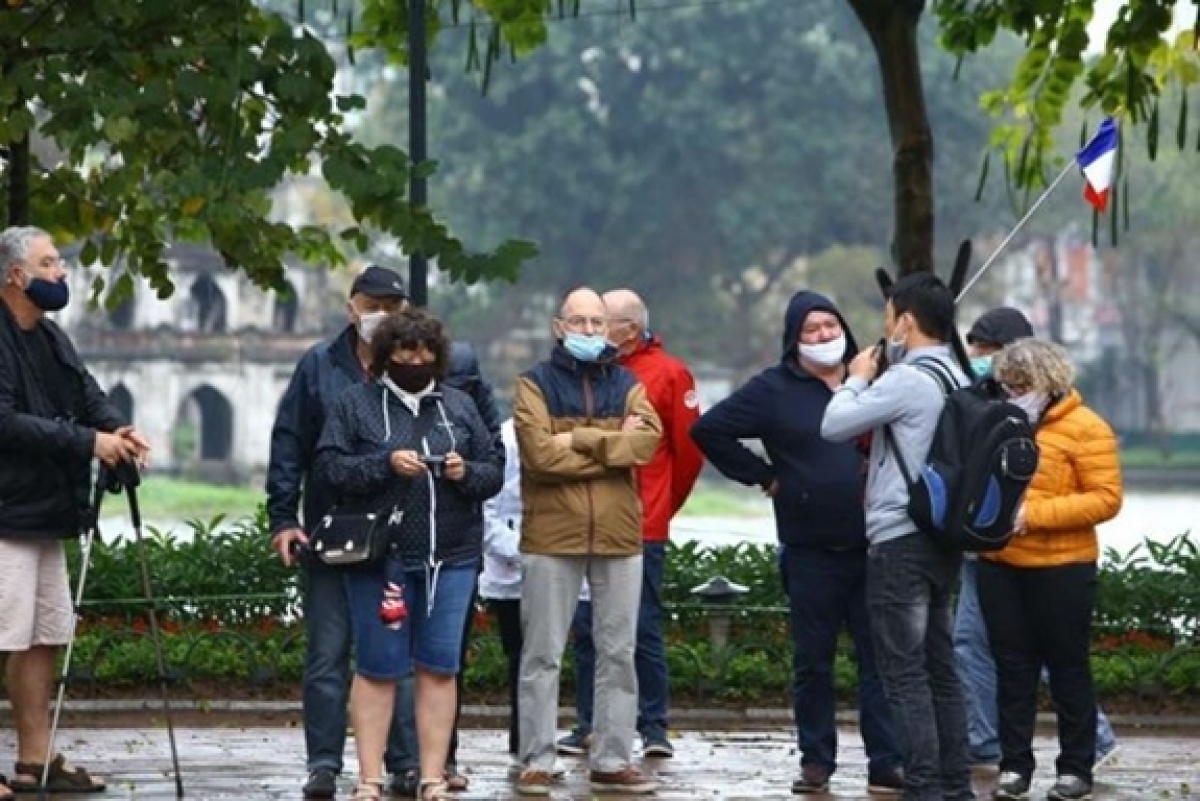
<point>911,577</point>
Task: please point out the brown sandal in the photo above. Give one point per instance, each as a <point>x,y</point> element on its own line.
<point>368,790</point>
<point>434,790</point>
<point>62,778</point>
<point>455,781</point>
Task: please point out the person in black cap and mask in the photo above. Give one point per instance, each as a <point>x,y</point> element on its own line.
<point>324,372</point>
<point>816,487</point>
<point>992,332</point>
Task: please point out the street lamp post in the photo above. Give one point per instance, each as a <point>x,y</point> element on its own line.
<point>418,68</point>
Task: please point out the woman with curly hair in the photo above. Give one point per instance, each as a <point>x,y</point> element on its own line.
<point>419,451</point>
<point>1039,592</point>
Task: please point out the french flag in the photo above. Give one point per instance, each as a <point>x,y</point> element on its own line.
<point>1097,159</point>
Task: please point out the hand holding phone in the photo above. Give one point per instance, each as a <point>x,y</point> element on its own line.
<point>434,462</point>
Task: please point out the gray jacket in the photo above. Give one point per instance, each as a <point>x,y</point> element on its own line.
<point>910,401</point>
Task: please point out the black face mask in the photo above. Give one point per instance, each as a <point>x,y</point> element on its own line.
<point>410,377</point>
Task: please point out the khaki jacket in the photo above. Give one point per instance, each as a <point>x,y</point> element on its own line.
<point>578,490</point>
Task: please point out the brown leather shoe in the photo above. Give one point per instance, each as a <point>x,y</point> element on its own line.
<point>628,780</point>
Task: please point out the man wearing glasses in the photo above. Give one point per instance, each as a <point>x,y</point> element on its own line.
<point>54,419</point>
<point>583,424</point>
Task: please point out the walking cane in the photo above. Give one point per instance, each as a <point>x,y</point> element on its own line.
<point>85,557</point>
<point>129,479</point>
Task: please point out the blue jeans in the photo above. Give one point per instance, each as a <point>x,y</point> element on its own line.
<point>650,657</point>
<point>431,636</point>
<point>977,670</point>
<point>326,689</point>
<point>403,751</point>
<point>910,588</point>
<point>825,590</point>
<point>326,666</point>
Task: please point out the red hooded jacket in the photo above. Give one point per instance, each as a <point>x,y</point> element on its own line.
<point>665,483</point>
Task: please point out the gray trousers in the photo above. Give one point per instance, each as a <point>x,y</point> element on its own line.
<point>548,599</point>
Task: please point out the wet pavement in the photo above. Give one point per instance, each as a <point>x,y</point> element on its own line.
<point>256,764</point>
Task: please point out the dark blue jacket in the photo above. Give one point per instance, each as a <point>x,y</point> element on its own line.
<point>820,497</point>
<point>323,374</point>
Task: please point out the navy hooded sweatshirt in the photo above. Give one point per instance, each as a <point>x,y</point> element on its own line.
<point>820,497</point>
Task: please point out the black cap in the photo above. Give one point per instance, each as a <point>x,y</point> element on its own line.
<point>379,282</point>
<point>1002,326</point>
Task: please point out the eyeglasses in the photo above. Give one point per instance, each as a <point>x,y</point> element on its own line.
<point>579,321</point>
<point>50,262</point>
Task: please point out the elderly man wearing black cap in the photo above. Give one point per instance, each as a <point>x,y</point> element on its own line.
<point>992,332</point>
<point>324,372</point>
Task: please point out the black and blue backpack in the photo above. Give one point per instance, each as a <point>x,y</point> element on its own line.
<point>980,463</point>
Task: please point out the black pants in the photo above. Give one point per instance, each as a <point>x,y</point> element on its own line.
<point>1042,617</point>
<point>508,620</point>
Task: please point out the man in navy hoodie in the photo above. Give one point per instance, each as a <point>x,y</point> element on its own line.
<point>816,487</point>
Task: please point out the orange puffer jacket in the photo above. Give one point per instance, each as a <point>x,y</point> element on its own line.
<point>1077,486</point>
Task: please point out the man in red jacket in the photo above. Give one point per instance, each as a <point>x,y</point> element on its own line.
<point>664,484</point>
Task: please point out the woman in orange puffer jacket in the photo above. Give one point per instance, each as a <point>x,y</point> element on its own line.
<point>1038,594</point>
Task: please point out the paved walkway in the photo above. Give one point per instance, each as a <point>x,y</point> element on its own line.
<point>256,764</point>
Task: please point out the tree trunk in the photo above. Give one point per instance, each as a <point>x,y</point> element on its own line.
<point>892,27</point>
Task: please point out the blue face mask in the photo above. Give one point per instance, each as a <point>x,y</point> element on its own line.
<point>585,347</point>
<point>49,296</point>
<point>982,366</point>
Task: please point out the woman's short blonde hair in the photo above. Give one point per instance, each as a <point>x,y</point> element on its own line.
<point>1034,365</point>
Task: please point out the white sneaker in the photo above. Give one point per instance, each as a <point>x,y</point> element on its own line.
<point>1109,757</point>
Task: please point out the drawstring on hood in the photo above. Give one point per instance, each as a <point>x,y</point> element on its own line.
<point>412,401</point>
<point>799,307</point>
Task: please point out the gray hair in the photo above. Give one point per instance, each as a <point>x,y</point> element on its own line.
<point>625,304</point>
<point>1035,364</point>
<point>16,243</point>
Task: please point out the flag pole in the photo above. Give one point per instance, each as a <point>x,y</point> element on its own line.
<point>1066,170</point>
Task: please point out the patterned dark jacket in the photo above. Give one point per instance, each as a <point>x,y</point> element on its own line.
<point>367,423</point>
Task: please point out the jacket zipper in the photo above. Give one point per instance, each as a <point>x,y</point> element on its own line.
<point>589,403</point>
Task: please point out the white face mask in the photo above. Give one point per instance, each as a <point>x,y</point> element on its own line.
<point>367,323</point>
<point>1032,403</point>
<point>826,354</point>
<point>896,346</point>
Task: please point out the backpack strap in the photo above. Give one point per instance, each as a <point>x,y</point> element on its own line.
<point>891,442</point>
<point>937,370</point>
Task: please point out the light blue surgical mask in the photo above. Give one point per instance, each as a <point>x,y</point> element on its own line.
<point>982,366</point>
<point>585,347</point>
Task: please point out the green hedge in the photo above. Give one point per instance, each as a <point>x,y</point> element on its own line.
<point>230,611</point>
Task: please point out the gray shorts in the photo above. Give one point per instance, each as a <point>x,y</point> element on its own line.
<point>35,594</point>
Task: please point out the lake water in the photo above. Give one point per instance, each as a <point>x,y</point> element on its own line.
<point>1144,515</point>
<point>1156,516</point>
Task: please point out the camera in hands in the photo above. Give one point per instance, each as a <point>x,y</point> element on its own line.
<point>434,463</point>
